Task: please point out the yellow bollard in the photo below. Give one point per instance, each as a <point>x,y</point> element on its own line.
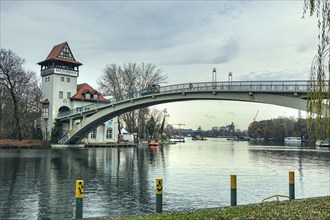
<point>233,190</point>
<point>159,195</point>
<point>79,198</point>
<point>291,185</point>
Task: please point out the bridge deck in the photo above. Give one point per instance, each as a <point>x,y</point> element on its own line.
<point>300,86</point>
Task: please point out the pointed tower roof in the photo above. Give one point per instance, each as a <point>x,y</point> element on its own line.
<point>61,52</point>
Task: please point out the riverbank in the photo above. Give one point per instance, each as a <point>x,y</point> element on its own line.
<point>302,209</point>
<point>10,143</point>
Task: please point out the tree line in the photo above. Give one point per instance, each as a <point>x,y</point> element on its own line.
<point>279,128</point>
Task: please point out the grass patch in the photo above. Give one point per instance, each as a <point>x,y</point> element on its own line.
<point>303,209</point>
<point>11,143</point>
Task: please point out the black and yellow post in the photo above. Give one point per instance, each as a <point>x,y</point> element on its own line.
<point>79,198</point>
<point>291,185</point>
<point>233,190</point>
<point>159,195</point>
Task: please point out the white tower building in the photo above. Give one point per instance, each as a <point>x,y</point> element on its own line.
<point>59,74</point>
<point>61,92</point>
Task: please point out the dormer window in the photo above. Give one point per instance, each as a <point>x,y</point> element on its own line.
<point>87,96</point>
<point>96,97</point>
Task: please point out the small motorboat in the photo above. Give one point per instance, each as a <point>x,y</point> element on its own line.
<point>322,143</point>
<point>154,143</point>
<point>292,140</point>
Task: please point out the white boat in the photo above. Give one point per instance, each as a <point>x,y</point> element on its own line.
<point>322,143</point>
<point>292,140</point>
<point>235,138</point>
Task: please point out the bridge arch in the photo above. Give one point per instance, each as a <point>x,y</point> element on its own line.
<point>63,109</point>
<point>291,94</point>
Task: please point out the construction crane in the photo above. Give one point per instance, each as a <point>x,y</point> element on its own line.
<point>254,119</point>
<point>179,128</point>
<point>179,125</point>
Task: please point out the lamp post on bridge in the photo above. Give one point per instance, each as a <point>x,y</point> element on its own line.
<point>230,78</point>
<point>214,75</point>
<point>214,78</point>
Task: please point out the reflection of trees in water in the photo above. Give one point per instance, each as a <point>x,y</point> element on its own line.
<point>281,154</point>
<point>121,173</point>
<point>305,159</point>
<point>25,182</point>
<point>285,156</point>
<point>113,177</point>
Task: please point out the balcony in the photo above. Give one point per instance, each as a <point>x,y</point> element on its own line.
<point>60,71</point>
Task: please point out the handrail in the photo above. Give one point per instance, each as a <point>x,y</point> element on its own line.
<point>222,86</point>
<point>64,138</point>
<point>276,195</point>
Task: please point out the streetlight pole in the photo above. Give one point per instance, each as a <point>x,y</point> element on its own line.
<point>230,77</point>
<point>214,75</point>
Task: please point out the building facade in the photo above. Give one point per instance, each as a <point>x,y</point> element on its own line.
<point>61,92</point>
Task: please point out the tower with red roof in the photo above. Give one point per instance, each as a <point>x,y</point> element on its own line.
<point>61,92</point>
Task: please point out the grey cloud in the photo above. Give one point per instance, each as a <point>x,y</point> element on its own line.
<point>227,52</point>
<point>275,75</point>
<point>232,9</point>
<point>305,47</point>
<point>206,51</point>
<point>231,113</point>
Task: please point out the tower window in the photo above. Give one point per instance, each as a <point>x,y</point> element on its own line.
<point>62,78</point>
<point>46,79</point>
<point>68,95</point>
<point>60,95</point>
<point>68,79</point>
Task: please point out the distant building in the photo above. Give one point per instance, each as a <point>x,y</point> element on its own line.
<point>215,128</point>
<point>59,73</point>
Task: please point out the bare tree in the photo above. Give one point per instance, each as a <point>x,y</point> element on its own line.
<point>2,105</point>
<point>117,80</point>
<point>22,89</point>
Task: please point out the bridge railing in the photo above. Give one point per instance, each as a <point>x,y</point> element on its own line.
<point>247,86</point>
<point>83,108</point>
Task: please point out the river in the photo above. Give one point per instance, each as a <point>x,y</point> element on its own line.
<point>40,183</point>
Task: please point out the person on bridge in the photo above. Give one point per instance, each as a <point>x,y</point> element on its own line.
<point>190,86</point>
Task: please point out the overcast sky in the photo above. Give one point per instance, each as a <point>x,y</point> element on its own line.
<point>255,40</point>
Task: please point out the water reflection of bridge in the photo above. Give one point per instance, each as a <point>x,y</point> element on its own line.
<point>291,94</point>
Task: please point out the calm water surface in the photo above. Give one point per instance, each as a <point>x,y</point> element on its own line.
<point>40,184</point>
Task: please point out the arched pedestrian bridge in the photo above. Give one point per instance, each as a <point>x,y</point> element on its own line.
<point>291,94</point>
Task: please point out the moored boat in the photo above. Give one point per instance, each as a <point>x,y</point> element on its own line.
<point>154,143</point>
<point>292,140</point>
<point>322,143</point>
<point>198,138</point>
<point>234,138</point>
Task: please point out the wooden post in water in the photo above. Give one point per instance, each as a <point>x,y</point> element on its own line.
<point>159,195</point>
<point>291,185</point>
<point>233,190</point>
<point>79,198</point>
